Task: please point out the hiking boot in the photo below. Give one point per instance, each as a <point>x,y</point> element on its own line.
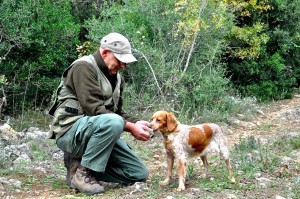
<point>85,182</point>
<point>71,164</point>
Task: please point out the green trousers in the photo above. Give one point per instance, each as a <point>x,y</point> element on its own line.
<point>96,140</point>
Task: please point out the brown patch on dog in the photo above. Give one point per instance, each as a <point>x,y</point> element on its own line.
<point>199,138</point>
<point>171,122</point>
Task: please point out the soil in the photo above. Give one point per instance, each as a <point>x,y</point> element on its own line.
<point>273,121</point>
<point>270,123</point>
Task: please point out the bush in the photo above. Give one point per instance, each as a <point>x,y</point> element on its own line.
<point>274,71</point>
<point>170,74</point>
<point>267,78</point>
<point>39,42</point>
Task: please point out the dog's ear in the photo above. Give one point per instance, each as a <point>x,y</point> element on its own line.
<point>171,122</point>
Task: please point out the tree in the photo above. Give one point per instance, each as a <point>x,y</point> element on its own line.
<point>37,44</point>
<point>256,63</point>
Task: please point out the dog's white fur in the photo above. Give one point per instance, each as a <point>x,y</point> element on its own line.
<point>182,141</point>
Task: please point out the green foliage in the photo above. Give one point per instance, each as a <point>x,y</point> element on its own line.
<point>86,48</point>
<point>217,183</point>
<point>38,43</point>
<point>247,41</point>
<point>284,33</point>
<point>3,80</point>
<point>272,70</point>
<point>247,36</point>
<point>292,144</point>
<point>190,52</point>
<point>58,184</point>
<point>87,9</point>
<point>28,118</point>
<point>295,143</point>
<point>39,152</point>
<point>267,78</point>
<point>181,74</point>
<point>252,156</point>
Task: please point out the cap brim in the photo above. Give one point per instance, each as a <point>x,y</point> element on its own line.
<point>125,58</point>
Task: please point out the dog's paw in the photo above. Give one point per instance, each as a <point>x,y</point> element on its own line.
<point>164,183</point>
<point>232,179</point>
<point>203,175</point>
<point>181,188</point>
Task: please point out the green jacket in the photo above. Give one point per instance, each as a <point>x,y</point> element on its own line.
<point>85,90</point>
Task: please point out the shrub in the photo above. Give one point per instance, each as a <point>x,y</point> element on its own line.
<point>38,44</point>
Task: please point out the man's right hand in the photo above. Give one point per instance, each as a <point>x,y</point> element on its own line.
<point>138,130</point>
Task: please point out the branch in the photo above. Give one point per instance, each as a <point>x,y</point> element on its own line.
<point>157,84</point>
<point>189,57</point>
<point>193,44</point>
<point>3,101</point>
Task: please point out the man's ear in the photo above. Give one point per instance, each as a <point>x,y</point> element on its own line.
<point>104,53</point>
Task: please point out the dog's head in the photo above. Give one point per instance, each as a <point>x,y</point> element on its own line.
<point>163,121</point>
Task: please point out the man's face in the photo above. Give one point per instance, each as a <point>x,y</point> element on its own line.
<point>113,64</point>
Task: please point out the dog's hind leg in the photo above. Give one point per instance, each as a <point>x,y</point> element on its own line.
<point>225,155</point>
<point>206,166</point>
<point>229,168</point>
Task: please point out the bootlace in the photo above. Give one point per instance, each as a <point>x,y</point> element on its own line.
<point>89,178</point>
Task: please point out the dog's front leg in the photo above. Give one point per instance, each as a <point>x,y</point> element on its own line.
<point>170,163</point>
<point>181,173</point>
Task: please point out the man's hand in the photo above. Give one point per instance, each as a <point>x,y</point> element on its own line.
<point>139,129</point>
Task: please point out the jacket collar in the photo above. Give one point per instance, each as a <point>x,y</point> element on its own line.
<point>99,61</point>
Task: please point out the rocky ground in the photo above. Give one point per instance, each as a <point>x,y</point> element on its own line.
<point>27,173</point>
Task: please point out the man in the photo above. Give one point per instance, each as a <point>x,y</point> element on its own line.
<point>89,120</point>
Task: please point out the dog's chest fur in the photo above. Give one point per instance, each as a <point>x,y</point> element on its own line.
<point>189,141</point>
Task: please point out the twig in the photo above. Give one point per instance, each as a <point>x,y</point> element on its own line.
<point>189,57</point>
<point>193,44</point>
<point>153,73</point>
<point>3,101</point>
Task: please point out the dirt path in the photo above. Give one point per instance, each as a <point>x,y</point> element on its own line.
<point>275,120</point>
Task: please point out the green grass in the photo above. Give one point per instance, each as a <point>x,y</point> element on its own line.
<point>295,143</point>
<point>57,183</point>
<point>39,152</point>
<point>264,126</point>
<point>264,159</point>
<point>249,157</point>
<point>295,188</point>
<point>31,118</point>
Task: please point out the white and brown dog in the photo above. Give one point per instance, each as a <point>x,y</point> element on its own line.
<point>183,141</point>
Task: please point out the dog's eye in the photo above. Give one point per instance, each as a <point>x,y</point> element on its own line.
<point>158,120</point>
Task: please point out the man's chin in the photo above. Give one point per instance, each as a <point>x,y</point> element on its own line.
<point>113,73</point>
